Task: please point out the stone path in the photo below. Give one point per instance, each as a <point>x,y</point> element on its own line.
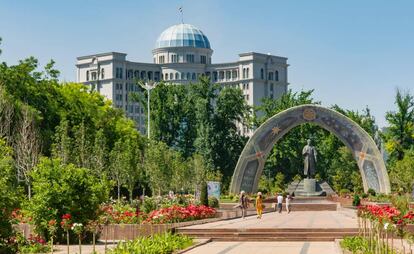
<point>86,249</point>
<point>267,248</point>
<point>344,218</point>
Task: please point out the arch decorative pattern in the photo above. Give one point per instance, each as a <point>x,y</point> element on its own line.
<point>253,157</point>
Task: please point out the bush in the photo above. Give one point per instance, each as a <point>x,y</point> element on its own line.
<point>343,192</point>
<point>371,192</point>
<point>64,189</point>
<point>213,202</point>
<point>364,195</point>
<point>356,201</point>
<point>8,198</point>
<point>355,244</point>
<point>159,243</point>
<point>204,194</point>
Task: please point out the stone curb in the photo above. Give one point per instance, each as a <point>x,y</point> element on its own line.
<point>194,246</point>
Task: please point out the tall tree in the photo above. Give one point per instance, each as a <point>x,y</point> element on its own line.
<point>400,133</point>
<point>99,160</point>
<point>27,146</point>
<point>62,146</point>
<point>81,146</point>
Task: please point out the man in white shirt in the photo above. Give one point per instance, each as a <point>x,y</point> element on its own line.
<point>279,202</point>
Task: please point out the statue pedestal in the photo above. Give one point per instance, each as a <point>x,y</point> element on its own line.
<point>309,185</point>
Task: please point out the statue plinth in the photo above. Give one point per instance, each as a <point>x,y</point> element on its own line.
<point>309,185</point>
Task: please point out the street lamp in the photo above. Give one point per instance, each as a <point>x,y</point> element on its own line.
<point>148,86</point>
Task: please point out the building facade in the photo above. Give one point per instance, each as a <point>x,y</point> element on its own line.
<point>182,54</point>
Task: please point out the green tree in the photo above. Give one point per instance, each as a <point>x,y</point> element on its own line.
<point>8,197</point>
<point>60,189</point>
<point>400,133</point>
<point>62,146</point>
<point>402,173</point>
<point>345,172</point>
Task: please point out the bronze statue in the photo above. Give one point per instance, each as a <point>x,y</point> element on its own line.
<point>309,153</point>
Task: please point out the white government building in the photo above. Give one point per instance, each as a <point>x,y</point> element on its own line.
<point>182,54</point>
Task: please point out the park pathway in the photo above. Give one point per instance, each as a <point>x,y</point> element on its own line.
<point>293,233</point>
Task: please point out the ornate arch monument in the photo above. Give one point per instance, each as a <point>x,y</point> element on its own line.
<point>252,160</point>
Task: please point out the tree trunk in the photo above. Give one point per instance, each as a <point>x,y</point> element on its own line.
<point>131,190</point>
<point>119,191</point>
<point>29,191</point>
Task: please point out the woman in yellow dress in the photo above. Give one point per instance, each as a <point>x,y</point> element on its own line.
<point>259,205</point>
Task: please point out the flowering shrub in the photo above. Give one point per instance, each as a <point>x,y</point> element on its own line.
<point>378,223</point>
<point>33,244</point>
<point>179,214</point>
<point>174,213</point>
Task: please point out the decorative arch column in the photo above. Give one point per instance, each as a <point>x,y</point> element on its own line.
<point>253,157</point>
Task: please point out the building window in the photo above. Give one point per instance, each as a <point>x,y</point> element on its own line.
<point>193,76</point>
<point>177,76</point>
<point>190,58</point>
<point>102,73</point>
<point>161,59</point>
<point>182,75</point>
<point>215,76</point>
<point>221,75</point>
<point>87,75</point>
<point>270,76</point>
<point>143,75</point>
<point>150,75</point>
<point>261,73</point>
<point>93,75</point>
<point>247,72</point>
<point>188,76</point>
<point>228,75</point>
<point>171,76</point>
<point>276,75</point>
<point>203,59</point>
<point>136,74</point>
<point>174,58</point>
<point>234,74</point>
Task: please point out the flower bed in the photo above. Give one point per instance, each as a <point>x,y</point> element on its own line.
<point>379,225</point>
<point>172,214</point>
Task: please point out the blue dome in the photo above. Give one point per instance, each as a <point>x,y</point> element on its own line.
<point>182,35</point>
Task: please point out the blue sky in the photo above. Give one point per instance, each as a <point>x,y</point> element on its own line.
<point>353,53</point>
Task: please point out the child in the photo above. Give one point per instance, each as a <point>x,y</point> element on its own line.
<point>259,205</point>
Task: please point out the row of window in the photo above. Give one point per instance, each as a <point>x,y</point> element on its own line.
<point>136,74</point>
<point>94,75</point>
<point>270,75</point>
<point>182,76</point>
<point>174,58</point>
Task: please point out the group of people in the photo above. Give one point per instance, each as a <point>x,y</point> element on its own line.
<point>244,203</point>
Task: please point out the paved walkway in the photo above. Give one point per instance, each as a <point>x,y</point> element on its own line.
<point>344,218</point>
<point>267,248</point>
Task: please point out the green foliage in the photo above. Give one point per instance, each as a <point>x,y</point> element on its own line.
<point>157,244</point>
<point>356,244</point>
<point>401,202</point>
<point>213,202</point>
<point>167,170</point>
<point>356,201</point>
<point>8,197</point>
<point>399,137</point>
<point>344,192</point>
<point>204,194</point>
<point>60,189</point>
<point>371,192</point>
<point>201,119</point>
<point>361,245</point>
<point>345,172</point>
<point>402,173</point>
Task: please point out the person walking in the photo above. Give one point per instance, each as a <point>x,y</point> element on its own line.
<point>288,199</point>
<point>243,203</point>
<point>259,205</point>
<point>279,202</point>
